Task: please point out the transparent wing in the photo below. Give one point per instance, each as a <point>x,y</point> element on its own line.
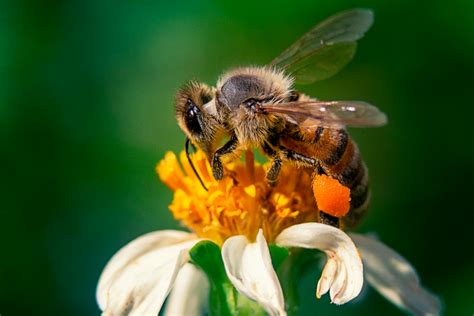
<point>333,114</point>
<point>327,48</point>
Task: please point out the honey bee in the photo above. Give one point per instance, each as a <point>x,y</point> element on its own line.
<point>258,107</point>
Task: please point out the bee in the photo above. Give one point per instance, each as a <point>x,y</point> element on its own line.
<point>258,107</point>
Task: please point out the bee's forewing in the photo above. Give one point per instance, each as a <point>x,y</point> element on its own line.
<point>326,48</point>
<point>329,113</point>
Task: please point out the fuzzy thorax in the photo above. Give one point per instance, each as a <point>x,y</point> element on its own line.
<point>253,129</point>
<point>274,80</point>
<point>239,94</point>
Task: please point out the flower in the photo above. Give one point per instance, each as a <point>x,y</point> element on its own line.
<point>241,203</point>
<point>243,215</point>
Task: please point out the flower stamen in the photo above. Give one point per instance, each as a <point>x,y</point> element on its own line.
<point>242,202</point>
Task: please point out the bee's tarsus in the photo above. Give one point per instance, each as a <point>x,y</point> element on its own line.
<point>274,171</point>
<point>228,148</point>
<point>217,168</point>
<point>327,219</point>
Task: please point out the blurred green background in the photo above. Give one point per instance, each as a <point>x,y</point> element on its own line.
<point>86,111</point>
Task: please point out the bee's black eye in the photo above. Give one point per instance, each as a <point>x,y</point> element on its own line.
<point>193,117</point>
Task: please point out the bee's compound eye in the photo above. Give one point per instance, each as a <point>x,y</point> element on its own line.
<point>192,117</point>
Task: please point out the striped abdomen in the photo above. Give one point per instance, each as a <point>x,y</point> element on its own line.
<point>339,158</point>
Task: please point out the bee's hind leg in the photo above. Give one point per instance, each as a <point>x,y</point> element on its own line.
<point>302,159</point>
<point>281,154</point>
<point>324,218</point>
<point>327,219</point>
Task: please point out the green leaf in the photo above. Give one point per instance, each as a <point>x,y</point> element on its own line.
<point>222,297</point>
<point>278,254</point>
<point>291,271</point>
<point>207,255</point>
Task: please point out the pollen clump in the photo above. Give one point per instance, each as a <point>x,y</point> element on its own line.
<point>332,197</point>
<point>240,203</point>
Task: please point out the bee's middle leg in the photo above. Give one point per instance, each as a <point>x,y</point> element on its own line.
<point>274,170</point>
<point>229,147</point>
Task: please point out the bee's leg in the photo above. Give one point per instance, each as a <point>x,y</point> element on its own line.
<point>217,167</point>
<point>327,219</point>
<point>274,170</point>
<point>302,159</point>
<point>285,154</point>
<point>312,163</point>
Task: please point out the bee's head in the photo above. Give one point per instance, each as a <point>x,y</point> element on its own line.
<point>245,89</point>
<point>194,112</point>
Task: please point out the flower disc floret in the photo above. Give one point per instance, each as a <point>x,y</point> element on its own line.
<point>241,203</point>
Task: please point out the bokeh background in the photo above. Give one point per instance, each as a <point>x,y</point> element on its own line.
<point>86,111</point>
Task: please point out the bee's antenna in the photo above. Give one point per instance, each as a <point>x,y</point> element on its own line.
<point>186,146</point>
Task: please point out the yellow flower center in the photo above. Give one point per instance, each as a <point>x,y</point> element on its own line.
<point>239,204</point>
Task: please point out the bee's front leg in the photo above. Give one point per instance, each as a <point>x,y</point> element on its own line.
<point>228,148</point>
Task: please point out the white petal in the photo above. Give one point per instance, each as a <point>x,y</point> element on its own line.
<point>249,268</point>
<point>190,293</point>
<point>343,273</point>
<point>327,277</point>
<point>394,277</point>
<point>139,277</point>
